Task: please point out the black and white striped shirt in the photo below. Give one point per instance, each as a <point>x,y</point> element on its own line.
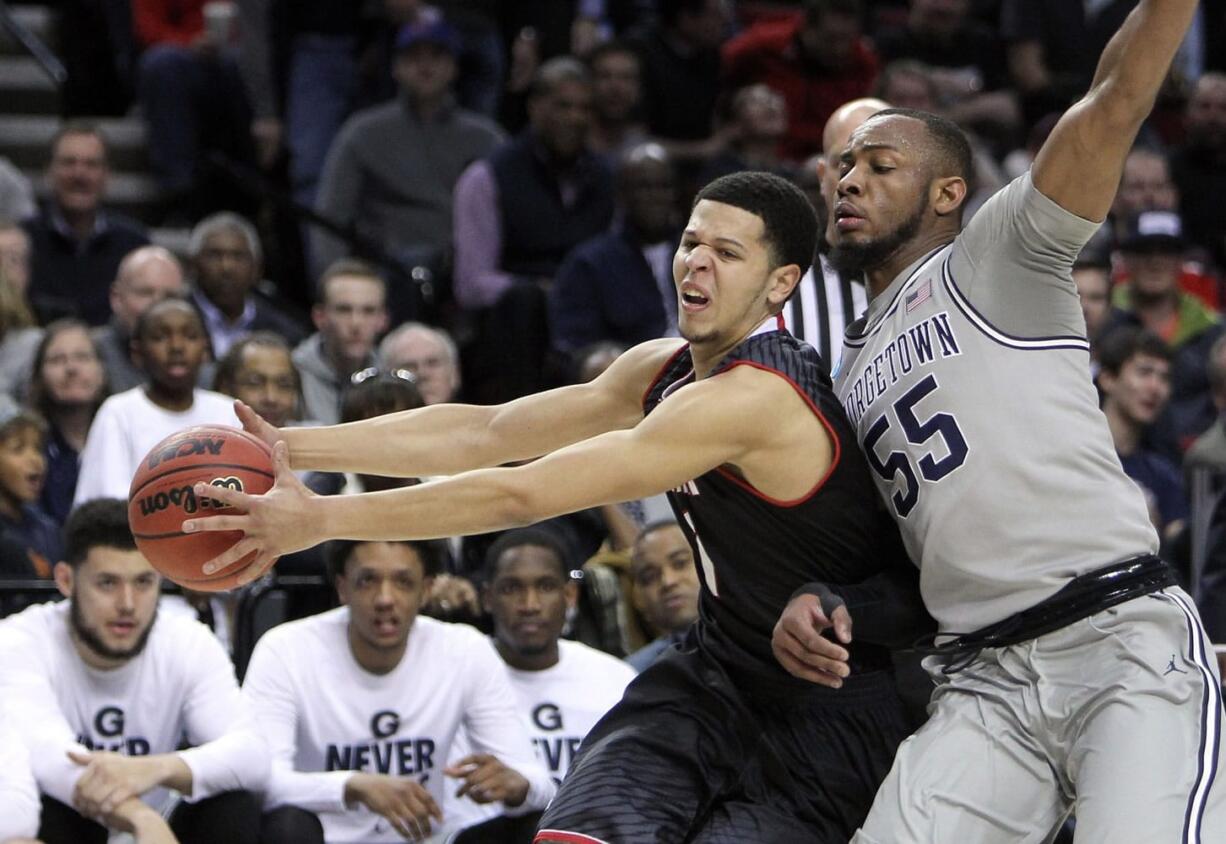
<point>819,312</point>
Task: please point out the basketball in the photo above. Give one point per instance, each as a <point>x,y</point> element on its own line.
<point>161,498</point>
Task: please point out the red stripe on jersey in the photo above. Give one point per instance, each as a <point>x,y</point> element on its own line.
<point>556,835</point>
<point>834,460</point>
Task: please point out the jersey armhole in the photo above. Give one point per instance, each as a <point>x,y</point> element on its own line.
<point>655,381</point>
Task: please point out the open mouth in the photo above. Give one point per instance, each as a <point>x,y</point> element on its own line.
<point>693,298</point>
<point>386,626</point>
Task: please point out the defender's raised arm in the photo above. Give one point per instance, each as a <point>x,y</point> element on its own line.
<point>1079,166</point>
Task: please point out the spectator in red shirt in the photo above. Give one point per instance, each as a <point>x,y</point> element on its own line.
<point>818,60</point>
<point>194,102</point>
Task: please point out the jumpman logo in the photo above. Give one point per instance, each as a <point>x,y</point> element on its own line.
<point>1172,667</point>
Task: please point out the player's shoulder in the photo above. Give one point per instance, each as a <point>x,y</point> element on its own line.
<point>213,400</point>
<point>37,624</point>
<point>178,636</point>
<point>449,637</point>
<point>638,368</point>
<point>592,663</point>
<point>309,634</point>
<point>648,358</point>
<point>128,401</point>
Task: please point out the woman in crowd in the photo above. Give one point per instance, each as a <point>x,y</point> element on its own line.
<point>67,385</point>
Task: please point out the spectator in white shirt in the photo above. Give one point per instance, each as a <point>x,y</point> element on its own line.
<point>361,704</point>
<point>104,691</point>
<point>171,345</point>
<point>562,687</point>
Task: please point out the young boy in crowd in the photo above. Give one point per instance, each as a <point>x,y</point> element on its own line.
<point>171,345</point>
<point>23,468</point>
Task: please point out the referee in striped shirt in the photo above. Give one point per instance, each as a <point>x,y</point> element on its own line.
<point>825,301</point>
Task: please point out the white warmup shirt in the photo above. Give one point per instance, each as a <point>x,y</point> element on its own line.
<point>325,717</point>
<point>127,426</point>
<point>558,706</point>
<point>181,684</point>
<point>18,792</point>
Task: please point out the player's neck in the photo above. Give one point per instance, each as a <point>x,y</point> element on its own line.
<point>1125,433</point>
<point>174,401</point>
<point>547,658</point>
<point>706,354</point>
<point>93,659</point>
<point>375,660</point>
<point>882,276</point>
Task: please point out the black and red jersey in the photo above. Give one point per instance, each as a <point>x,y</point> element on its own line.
<point>753,551</point>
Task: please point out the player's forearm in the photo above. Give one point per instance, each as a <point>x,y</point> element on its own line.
<point>170,770</point>
<point>477,502</point>
<point>1137,58</point>
<point>438,440</point>
<point>887,609</point>
<point>541,790</point>
<point>322,791</point>
<point>237,761</point>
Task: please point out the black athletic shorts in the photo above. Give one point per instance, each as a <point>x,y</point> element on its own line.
<point>690,756</point>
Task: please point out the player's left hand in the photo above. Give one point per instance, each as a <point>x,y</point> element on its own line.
<point>110,780</point>
<point>486,780</point>
<point>801,648</point>
<point>278,522</point>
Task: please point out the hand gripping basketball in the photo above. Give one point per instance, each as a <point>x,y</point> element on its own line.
<point>279,522</point>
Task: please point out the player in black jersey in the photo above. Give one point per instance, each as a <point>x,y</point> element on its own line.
<point>715,741</point>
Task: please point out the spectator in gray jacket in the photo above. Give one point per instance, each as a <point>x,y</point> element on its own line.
<point>350,316</point>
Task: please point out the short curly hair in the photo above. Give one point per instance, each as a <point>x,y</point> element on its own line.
<point>788,219</point>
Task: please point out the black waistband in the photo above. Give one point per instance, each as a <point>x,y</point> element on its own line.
<point>1080,598</point>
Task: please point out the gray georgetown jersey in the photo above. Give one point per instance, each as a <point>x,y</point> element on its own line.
<point>968,384</point>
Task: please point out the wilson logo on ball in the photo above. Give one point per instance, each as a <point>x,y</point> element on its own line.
<point>185,497</point>
<point>186,448</point>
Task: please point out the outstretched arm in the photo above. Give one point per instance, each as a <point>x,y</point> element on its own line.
<point>446,439</point>
<point>702,426</point>
<point>1080,165</point>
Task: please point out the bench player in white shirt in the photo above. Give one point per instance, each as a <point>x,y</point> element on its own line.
<point>103,690</point>
<point>19,820</point>
<point>1073,675</point>
<point>562,687</point>
<point>360,706</point>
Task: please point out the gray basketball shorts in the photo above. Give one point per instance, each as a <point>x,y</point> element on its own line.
<point>1116,718</point>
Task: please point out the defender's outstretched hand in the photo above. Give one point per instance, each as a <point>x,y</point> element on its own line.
<point>801,648</point>
<point>278,522</point>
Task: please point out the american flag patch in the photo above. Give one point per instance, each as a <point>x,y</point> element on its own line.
<point>919,296</point>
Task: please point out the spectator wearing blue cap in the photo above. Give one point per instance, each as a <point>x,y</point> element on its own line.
<point>392,168</point>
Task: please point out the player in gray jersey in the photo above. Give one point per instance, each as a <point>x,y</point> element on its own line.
<point>1072,674</point>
